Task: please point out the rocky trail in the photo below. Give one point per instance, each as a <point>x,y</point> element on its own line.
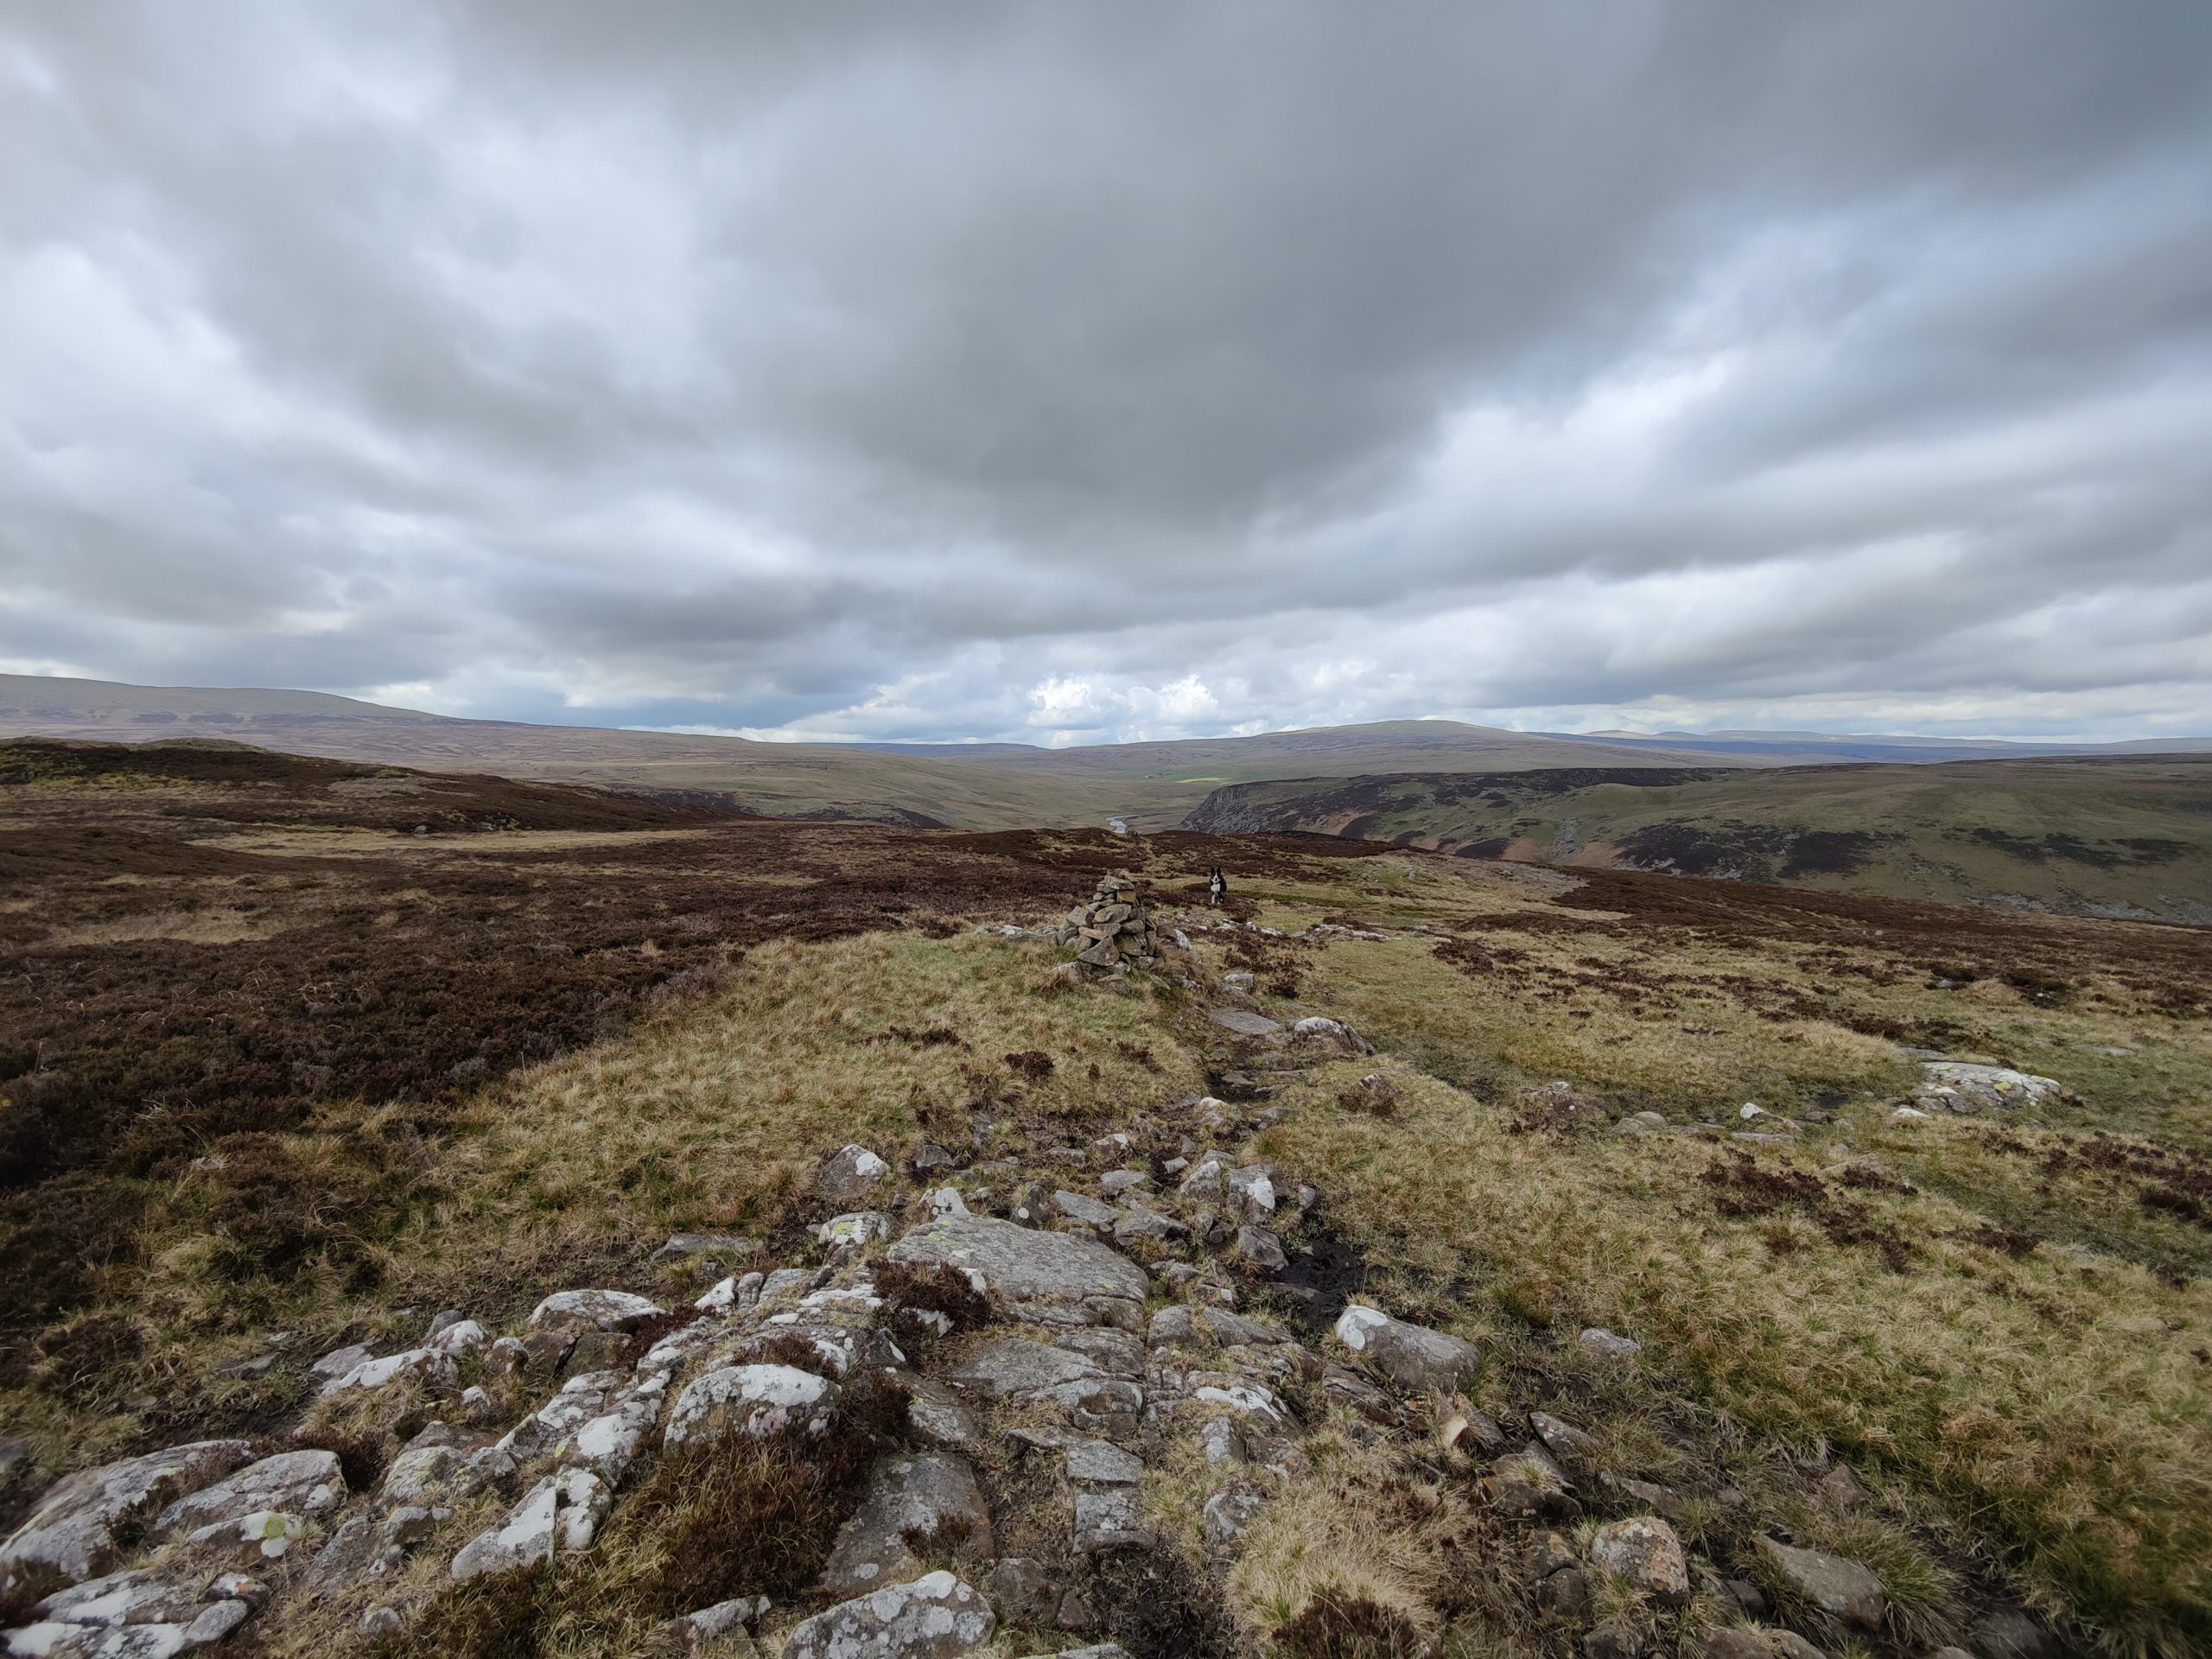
<point>1021,1350</point>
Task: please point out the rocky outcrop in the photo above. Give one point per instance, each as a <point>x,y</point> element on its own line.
<point>1053,1277</point>
<point>74,1531</point>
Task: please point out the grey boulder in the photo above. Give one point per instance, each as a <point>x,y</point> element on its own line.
<point>1411,1356</point>
<point>753,1400</point>
<point>560,1513</point>
<point>1057,1277</point>
<point>596,1310</point>
<point>1842,1589</point>
<point>910,1500</point>
<point>933,1618</point>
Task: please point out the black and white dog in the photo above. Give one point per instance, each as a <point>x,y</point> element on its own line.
<point>1217,888</point>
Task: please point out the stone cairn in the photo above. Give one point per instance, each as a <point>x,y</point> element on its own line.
<point>1113,931</point>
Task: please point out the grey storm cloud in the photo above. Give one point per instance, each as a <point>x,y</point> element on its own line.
<point>1079,372</point>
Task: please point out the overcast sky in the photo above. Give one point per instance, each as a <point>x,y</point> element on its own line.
<point>1066,373</point>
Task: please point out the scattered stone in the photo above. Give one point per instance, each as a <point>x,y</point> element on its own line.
<point>1643,1551</point>
<point>752,1399</point>
<point>596,1310</point>
<point>909,1500</point>
<point>560,1513</point>
<point>936,1417</point>
<point>1022,1590</point>
<point>1842,1589</point>
<point>855,1231</point>
<point>1560,1437</point>
<point>1258,1249</point>
<point>690,1247</point>
<point>2010,1633</point>
<point>1103,1462</point>
<point>1951,1085</point>
<point>1601,1343</point>
<point>935,1615</point>
<point>1088,1210</point>
<point>1411,1356</point>
<point>1136,1223</point>
<point>1615,1639</point>
<point>1118,1182</point>
<point>73,1528</point>
<point>1227,1516</point>
<point>1316,1031</point>
<point>339,1361</point>
<point>1246,1024</point>
<point>847,1176</point>
<point>947,1201</point>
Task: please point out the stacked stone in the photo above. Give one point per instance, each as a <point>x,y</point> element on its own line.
<point>1113,931</point>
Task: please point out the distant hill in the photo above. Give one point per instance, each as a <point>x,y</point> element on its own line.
<point>984,786</point>
<point>2091,835</point>
<point>996,786</point>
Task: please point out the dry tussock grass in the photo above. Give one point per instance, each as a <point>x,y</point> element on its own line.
<point>717,1116</point>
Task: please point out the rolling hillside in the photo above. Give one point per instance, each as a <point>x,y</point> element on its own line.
<point>1151,785</point>
<point>2082,835</point>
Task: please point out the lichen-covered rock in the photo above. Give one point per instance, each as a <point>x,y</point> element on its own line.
<point>74,1530</point>
<point>1017,1367</point>
<point>1643,1552</point>
<point>1952,1085</point>
<point>1411,1356</point>
<point>305,1482</point>
<point>1057,1278</point>
<point>432,1367</point>
<point>934,1618</point>
<point>854,1230</point>
<point>596,1310</point>
<point>849,1174</point>
<point>910,1501</point>
<point>1076,1206</point>
<point>560,1513</point>
<point>936,1416</point>
<point>754,1400</point>
<point>1842,1589</point>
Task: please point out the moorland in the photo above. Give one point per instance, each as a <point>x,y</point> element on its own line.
<point>300,1052</point>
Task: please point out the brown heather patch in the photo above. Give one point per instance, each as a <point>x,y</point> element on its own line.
<point>1747,1188</point>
